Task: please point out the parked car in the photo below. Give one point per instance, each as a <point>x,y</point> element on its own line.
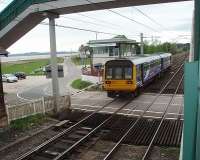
<point>9,78</point>
<point>20,75</point>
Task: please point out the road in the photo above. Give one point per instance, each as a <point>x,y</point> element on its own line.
<point>39,87</point>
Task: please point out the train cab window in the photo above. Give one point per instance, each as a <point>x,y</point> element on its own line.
<point>109,73</point>
<point>127,73</point>
<point>118,73</point>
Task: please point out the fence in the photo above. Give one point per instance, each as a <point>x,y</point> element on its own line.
<point>94,72</point>
<point>43,105</point>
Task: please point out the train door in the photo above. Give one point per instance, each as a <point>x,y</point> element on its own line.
<point>146,72</point>
<point>139,76</point>
<point>162,64</point>
<point>142,73</point>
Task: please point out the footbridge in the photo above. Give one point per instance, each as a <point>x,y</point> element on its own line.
<point>21,16</point>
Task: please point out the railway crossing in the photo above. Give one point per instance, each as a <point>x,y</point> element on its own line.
<point>15,18</point>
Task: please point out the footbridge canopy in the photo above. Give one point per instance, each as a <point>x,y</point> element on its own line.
<point>21,16</point>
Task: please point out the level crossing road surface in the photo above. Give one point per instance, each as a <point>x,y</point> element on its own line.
<point>89,101</point>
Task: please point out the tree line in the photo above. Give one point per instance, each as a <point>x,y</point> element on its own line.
<point>165,47</point>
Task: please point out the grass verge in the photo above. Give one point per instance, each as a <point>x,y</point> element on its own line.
<point>79,84</point>
<point>30,67</point>
<point>28,122</point>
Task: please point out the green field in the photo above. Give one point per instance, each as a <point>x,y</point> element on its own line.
<point>79,84</point>
<point>30,67</point>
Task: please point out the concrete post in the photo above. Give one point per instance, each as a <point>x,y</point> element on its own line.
<point>141,44</point>
<point>54,66</point>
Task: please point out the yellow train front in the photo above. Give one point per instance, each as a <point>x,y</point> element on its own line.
<point>127,76</point>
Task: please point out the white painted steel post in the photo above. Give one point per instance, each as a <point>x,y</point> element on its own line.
<point>191,55</point>
<point>54,66</point>
<point>142,44</point>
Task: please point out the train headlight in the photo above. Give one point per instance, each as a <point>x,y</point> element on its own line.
<point>129,82</point>
<point>108,82</point>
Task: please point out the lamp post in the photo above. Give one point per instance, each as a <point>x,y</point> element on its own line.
<point>3,115</point>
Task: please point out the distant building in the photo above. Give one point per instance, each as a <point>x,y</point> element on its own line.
<point>119,46</point>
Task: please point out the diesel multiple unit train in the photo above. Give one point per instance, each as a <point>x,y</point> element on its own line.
<point>127,76</point>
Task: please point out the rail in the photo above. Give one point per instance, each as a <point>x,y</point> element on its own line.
<point>56,155</point>
<point>147,153</point>
<point>118,144</point>
<point>62,155</point>
<point>66,131</point>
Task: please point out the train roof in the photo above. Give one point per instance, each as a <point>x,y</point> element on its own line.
<point>148,58</point>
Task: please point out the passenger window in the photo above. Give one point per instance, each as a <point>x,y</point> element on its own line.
<point>118,73</point>
<point>128,73</point>
<point>109,73</point>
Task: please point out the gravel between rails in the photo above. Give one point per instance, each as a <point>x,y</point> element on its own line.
<point>25,141</point>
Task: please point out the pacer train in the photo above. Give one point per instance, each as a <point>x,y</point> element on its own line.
<point>127,76</point>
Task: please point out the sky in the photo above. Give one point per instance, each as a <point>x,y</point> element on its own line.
<point>172,22</point>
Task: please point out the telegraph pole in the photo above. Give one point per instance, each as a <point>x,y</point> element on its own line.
<point>96,35</point>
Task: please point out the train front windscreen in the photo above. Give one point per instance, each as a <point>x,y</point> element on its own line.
<point>119,70</point>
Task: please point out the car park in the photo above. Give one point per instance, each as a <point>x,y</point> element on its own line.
<point>9,78</point>
<point>20,75</point>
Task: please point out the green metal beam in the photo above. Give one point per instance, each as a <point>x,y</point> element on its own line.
<point>197,55</point>
<point>190,110</point>
<point>191,142</point>
<point>197,31</point>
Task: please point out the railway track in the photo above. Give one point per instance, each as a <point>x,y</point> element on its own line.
<point>143,131</point>
<point>139,119</point>
<point>65,142</point>
<point>155,86</point>
<point>149,149</point>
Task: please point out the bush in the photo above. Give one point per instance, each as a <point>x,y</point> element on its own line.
<point>27,122</point>
<point>79,84</point>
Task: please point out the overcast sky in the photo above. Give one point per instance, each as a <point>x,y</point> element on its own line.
<point>174,20</point>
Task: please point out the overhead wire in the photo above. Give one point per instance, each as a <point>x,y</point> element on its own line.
<point>123,16</point>
<point>105,23</point>
<point>79,20</point>
<point>71,27</point>
<point>100,20</point>
<point>150,18</point>
<point>92,22</point>
<point>74,28</point>
<point>78,28</point>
